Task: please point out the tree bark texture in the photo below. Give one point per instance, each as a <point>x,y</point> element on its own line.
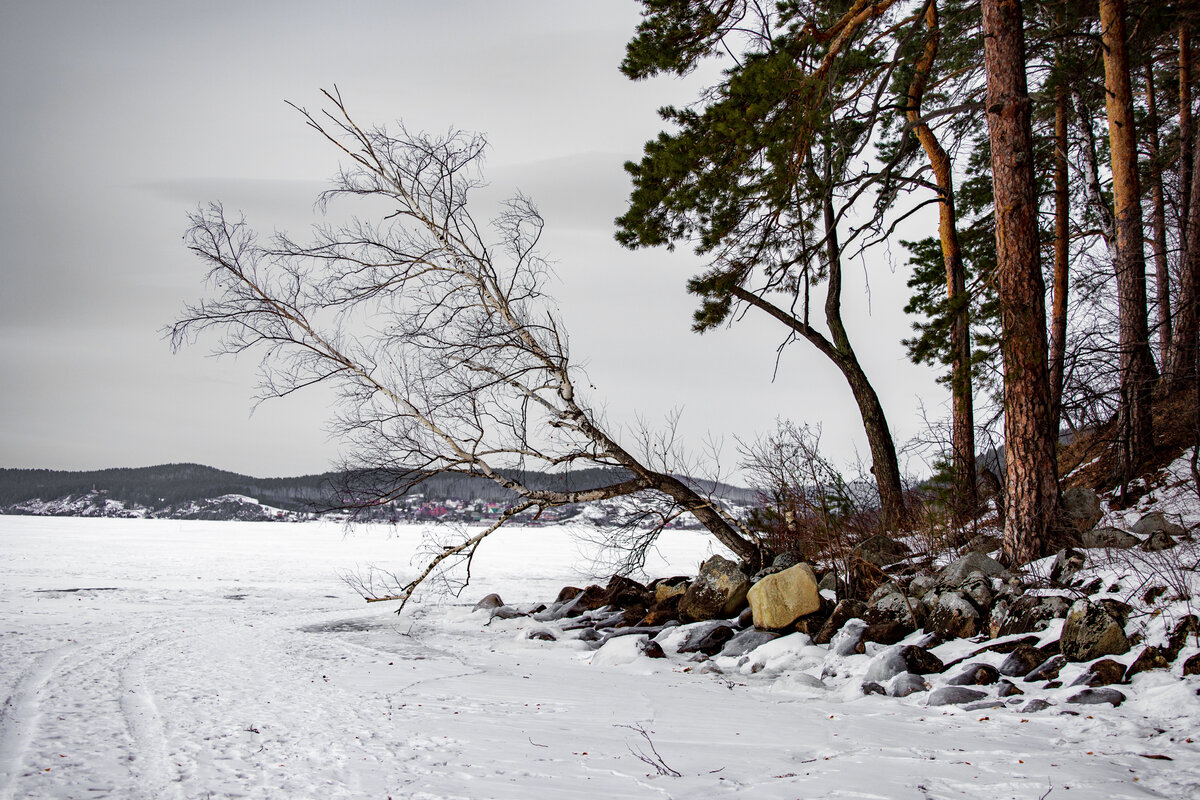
<point>1137,371</point>
<point>962,427</point>
<point>1162,275</point>
<point>1031,469</point>
<point>1062,241</point>
<point>1181,372</point>
<point>1186,171</point>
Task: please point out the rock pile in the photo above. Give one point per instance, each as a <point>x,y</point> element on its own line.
<point>1001,639</point>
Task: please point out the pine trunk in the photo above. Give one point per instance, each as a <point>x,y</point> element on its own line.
<point>1162,275</point>
<point>1137,371</point>
<point>962,428</point>
<point>1031,471</point>
<point>1062,241</point>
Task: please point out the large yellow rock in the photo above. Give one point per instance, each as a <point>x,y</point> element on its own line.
<point>779,600</point>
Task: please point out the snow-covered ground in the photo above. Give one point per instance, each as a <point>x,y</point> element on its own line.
<point>165,659</point>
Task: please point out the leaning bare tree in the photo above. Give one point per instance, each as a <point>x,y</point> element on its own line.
<point>437,333</point>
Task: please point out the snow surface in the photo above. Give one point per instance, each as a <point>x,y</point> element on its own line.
<point>170,659</point>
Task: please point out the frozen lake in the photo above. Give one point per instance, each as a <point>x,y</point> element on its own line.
<point>165,659</point>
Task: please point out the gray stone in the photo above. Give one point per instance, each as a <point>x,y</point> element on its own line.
<point>711,642</point>
<point>541,634</point>
<point>921,584</point>
<point>1093,630</point>
<point>895,607</point>
<point>975,675</point>
<point>906,683</point>
<point>787,560</point>
<point>651,649</point>
<point>1110,538</point>
<point>1157,521</point>
<point>983,705</point>
<point>979,592</point>
<point>871,687</point>
<point>1008,689</point>
<point>1090,697</point>
<point>957,572</point>
<point>1158,541</point>
<point>844,611</point>
<point>1082,508</point>
<point>718,591</point>
<point>1021,661</point>
<point>954,696</point>
<point>506,612</point>
<point>955,617</point>
<point>845,641</point>
<point>746,641</point>
<point>779,600</point>
<point>1033,613</point>
<point>1035,705</point>
<point>1067,562</point>
<point>886,665</point>
<point>1047,670</point>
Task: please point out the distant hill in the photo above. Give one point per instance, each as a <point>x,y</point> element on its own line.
<point>194,491</point>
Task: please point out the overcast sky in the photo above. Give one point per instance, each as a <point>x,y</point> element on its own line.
<point>121,116</point>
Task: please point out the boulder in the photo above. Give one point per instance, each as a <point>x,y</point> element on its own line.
<point>1110,538</point>
<point>541,634</point>
<point>1021,662</point>
<point>895,607</point>
<point>1081,506</point>
<point>1033,613</point>
<point>1093,630</point>
<point>489,603</point>
<point>889,632</point>
<point>1008,689</point>
<point>881,550</point>
<point>975,675</point>
<point>1157,542</point>
<point>978,590</point>
<point>567,594</point>
<point>844,611</point>
<point>1188,626</point>
<point>954,575</point>
<point>718,591</point>
<point>710,642</point>
<point>920,661</point>
<point>846,640</point>
<point>955,617</point>
<point>1091,697</point>
<point>779,600</point>
<point>906,683</point>
<point>954,695</point>
<point>1192,665</point>
<point>651,649</point>
<point>1047,670</point>
<point>1067,562</point>
<point>1150,658</point>
<point>871,687</point>
<point>747,640</point>
<point>886,665</point>
<point>1035,705</point>
<point>1157,521</point>
<point>1103,673</point>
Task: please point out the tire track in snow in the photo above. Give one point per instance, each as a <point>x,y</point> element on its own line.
<point>20,715</point>
<point>155,778</point>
